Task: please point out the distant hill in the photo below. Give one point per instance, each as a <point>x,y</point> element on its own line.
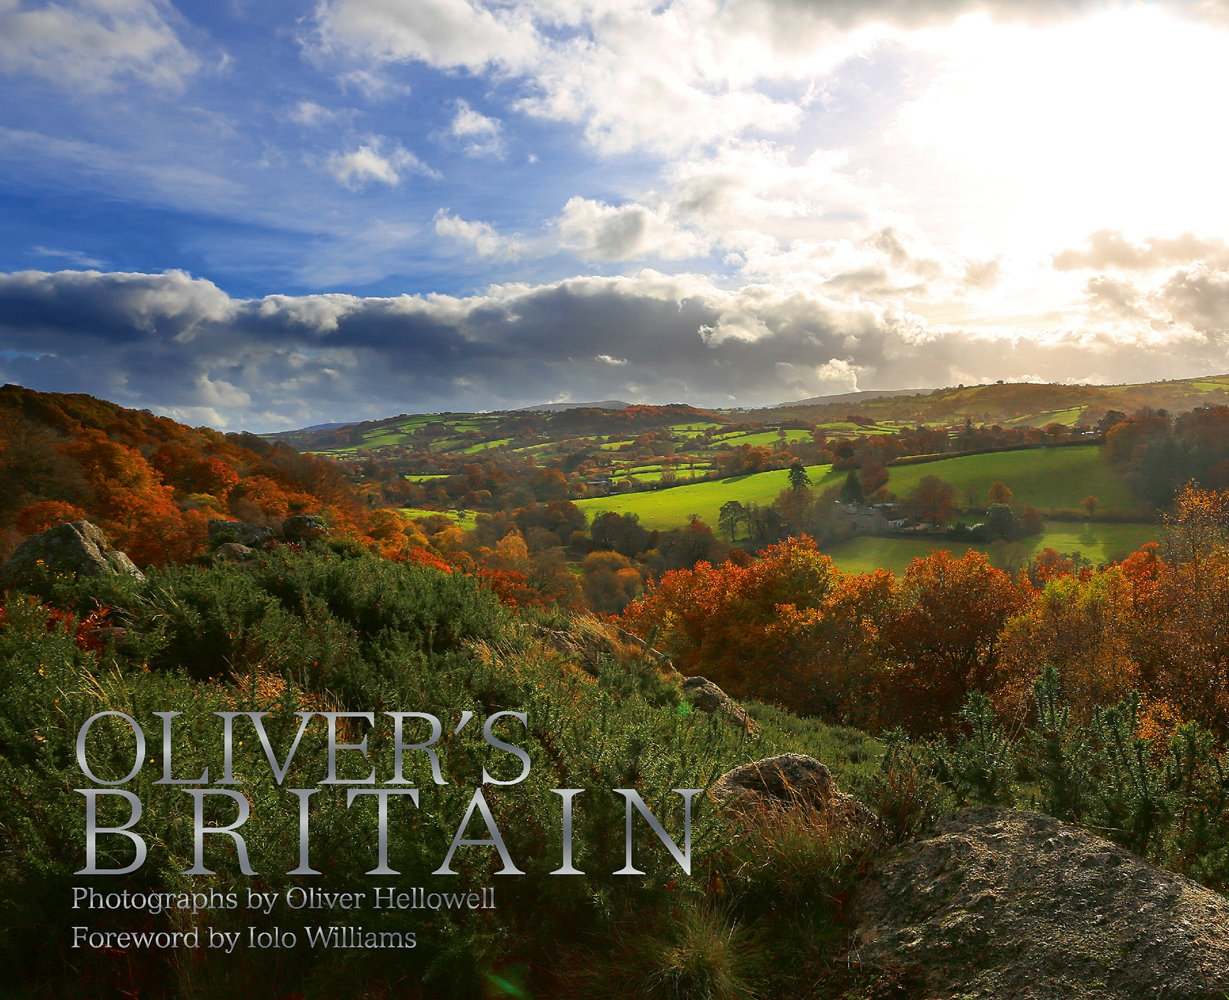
<point>152,484</point>
<point>859,396</point>
<point>605,404</point>
<point>328,427</point>
<point>1014,404</point>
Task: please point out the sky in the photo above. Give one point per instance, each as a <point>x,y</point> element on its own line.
<point>262,215</point>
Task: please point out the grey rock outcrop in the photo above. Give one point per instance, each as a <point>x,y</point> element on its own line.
<point>78,547</point>
<point>303,528</point>
<point>251,535</point>
<point>789,781</point>
<point>706,696</point>
<point>1001,903</point>
<point>234,552</point>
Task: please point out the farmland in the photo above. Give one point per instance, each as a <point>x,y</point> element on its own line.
<point>1098,543</point>
<point>1046,478</point>
<point>669,508</point>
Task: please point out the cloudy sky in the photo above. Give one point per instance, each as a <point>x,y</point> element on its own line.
<point>260,214</point>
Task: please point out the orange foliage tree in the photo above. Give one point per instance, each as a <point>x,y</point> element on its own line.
<point>942,636</point>
<point>756,629</point>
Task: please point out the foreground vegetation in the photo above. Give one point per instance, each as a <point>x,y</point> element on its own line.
<point>343,631</point>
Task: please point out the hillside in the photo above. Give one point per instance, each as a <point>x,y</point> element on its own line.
<point>152,483</point>
<point>1021,403</point>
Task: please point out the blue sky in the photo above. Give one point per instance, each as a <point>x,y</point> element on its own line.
<point>266,215</point>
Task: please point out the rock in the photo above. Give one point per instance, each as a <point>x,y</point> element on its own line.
<point>1001,903</point>
<point>303,528</point>
<point>708,697</point>
<point>788,781</point>
<point>234,552</point>
<point>238,531</point>
<point>79,547</point>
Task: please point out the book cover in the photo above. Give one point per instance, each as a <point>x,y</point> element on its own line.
<point>575,499</point>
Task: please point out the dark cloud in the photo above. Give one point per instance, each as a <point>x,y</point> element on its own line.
<point>180,345</point>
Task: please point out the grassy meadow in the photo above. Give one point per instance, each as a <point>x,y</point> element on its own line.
<point>1099,543</point>
<point>1046,478</point>
<point>670,508</point>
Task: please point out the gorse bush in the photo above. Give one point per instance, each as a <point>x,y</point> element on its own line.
<point>1162,796</point>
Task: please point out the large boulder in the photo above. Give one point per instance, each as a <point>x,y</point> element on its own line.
<point>789,781</point>
<point>303,528</point>
<point>234,552</point>
<point>706,696</point>
<point>79,547</point>
<point>1001,903</point>
<point>251,535</point>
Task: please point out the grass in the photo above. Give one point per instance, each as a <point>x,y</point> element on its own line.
<point>1066,417</point>
<point>1046,478</point>
<point>761,438</point>
<point>1098,542</point>
<point>484,446</point>
<point>670,508</point>
<point>464,518</point>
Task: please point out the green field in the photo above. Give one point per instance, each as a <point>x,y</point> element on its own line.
<point>1066,417</point>
<point>1046,478</point>
<point>465,518</point>
<point>670,508</point>
<point>474,449</point>
<point>759,439</point>
<point>1097,542</point>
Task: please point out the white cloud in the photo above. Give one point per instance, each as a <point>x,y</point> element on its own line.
<point>1110,248</point>
<point>371,164</point>
<point>444,33</point>
<point>597,231</point>
<point>92,44</point>
<point>72,256</point>
<point>480,135</point>
<point>482,237</point>
<point>372,85</point>
<point>838,375</point>
<point>312,115</point>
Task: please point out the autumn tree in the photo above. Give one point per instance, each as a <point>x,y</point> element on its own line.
<point>1198,523</point>
<point>943,635</point>
<point>793,506</point>
<point>1082,628</point>
<point>610,581</point>
<point>1000,493</point>
<point>715,620</point>
<point>1090,504</point>
<point>932,500</point>
<point>47,514</point>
